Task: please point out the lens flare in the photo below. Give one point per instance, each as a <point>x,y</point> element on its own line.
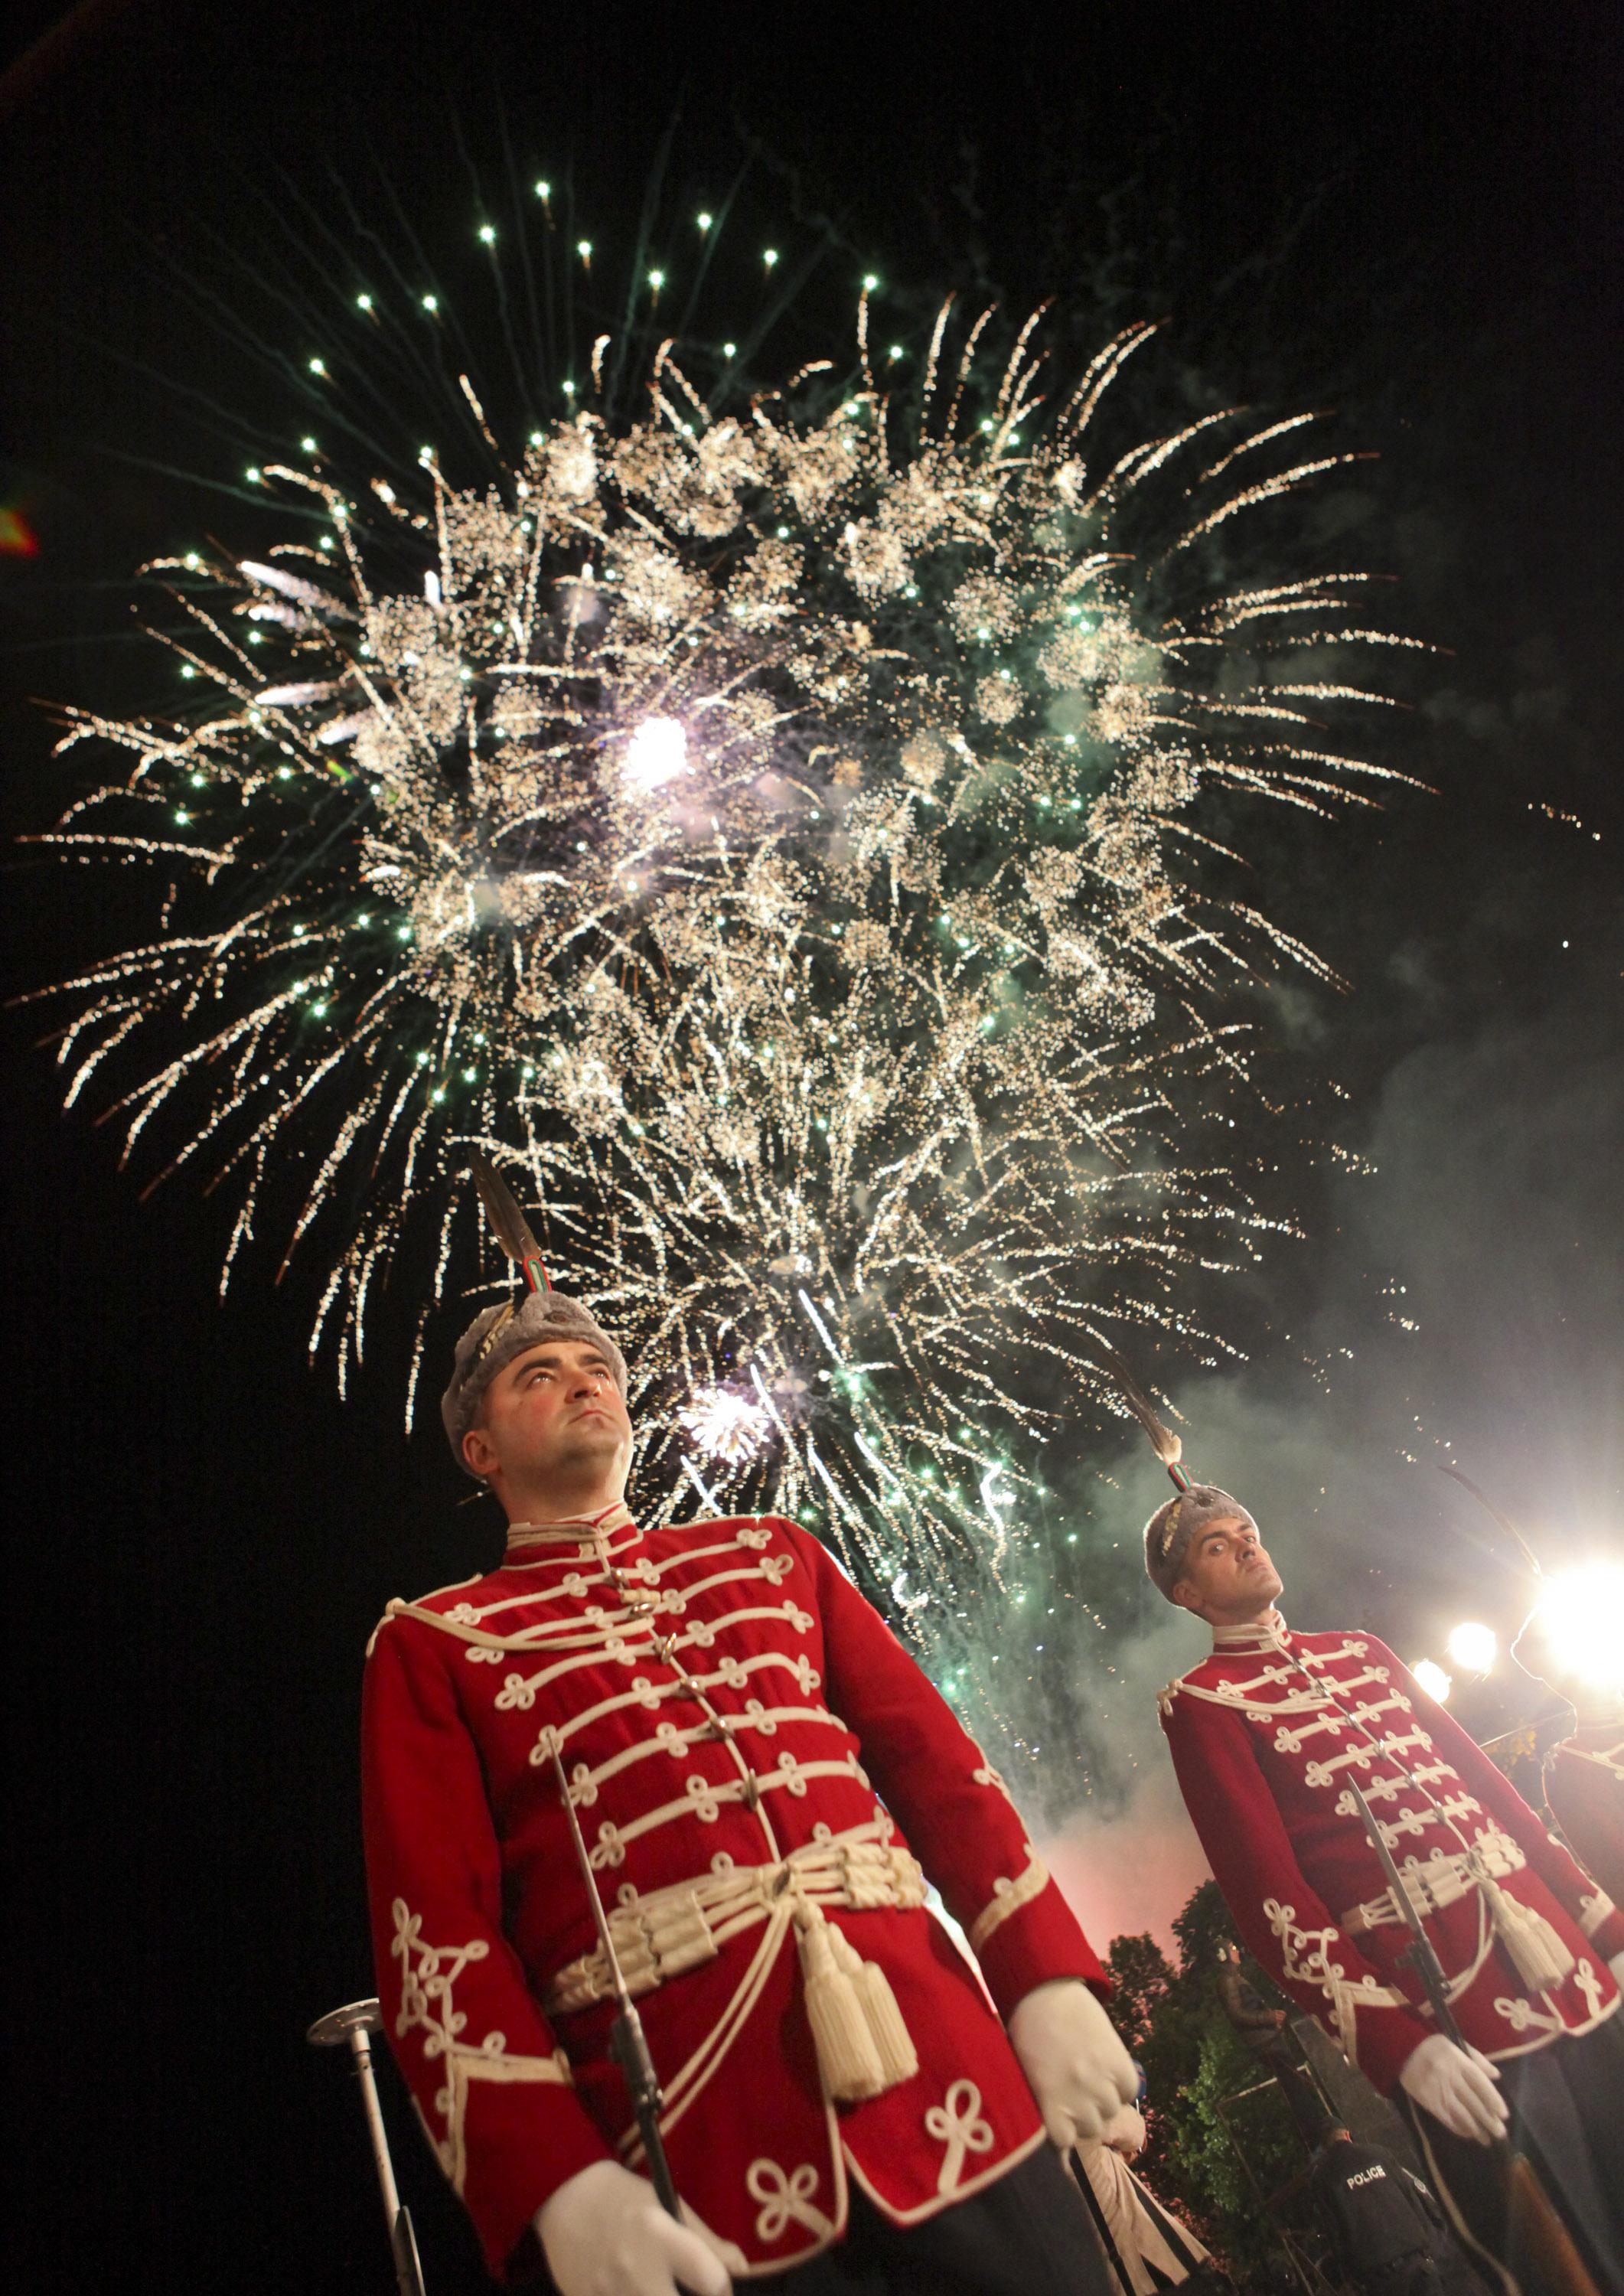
<point>1472,1647</point>
<point>1581,1614</point>
<point>1433,1679</point>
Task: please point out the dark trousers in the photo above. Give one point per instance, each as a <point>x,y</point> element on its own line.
<point>1567,2116</point>
<point>1028,2234</point>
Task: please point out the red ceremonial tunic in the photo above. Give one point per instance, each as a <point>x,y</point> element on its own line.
<point>1265,1734</point>
<point>1584,1784</point>
<point>743,1734</point>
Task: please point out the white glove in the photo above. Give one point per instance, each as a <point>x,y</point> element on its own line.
<point>1125,2132</point>
<point>1458,2087</point>
<point>603,2233</point>
<point>1617,1966</point>
<point>1075,2066</point>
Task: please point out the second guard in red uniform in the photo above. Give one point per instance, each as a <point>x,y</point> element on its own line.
<point>1269,1734</point>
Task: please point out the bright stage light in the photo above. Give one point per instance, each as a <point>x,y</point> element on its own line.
<point>1582,1614</point>
<point>1432,1678</point>
<point>1472,1647</point>
<point>656,754</point>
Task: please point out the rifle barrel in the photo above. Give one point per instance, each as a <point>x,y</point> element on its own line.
<point>629,2044</point>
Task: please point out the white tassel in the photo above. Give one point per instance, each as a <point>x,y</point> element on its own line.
<point>899,2058</point>
<point>846,2055</point>
<point>1535,1951</point>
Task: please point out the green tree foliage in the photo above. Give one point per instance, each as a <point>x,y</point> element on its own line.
<point>1204,1931</point>
<point>1141,1975</point>
<point>1194,2063</point>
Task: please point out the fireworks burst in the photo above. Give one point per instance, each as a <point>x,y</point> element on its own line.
<point>725,1425</point>
<point>776,831</point>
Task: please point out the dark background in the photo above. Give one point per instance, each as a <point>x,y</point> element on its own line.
<point>1408,214</point>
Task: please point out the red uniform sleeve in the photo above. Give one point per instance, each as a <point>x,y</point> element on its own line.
<point>1284,1921</point>
<point>1564,1877</point>
<point>950,1803</point>
<point>490,2082</point>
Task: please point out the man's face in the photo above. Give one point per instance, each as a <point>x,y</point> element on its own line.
<point>555,1410</point>
<point>1227,1577</point>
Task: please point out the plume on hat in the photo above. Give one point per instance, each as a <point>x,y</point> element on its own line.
<point>1167,1446</point>
<point>1493,1511</point>
<point>508,1223</point>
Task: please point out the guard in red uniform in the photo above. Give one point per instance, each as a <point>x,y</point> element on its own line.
<point>1266,1735</point>
<point>764,1778</point>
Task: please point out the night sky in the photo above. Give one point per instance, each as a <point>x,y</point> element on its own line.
<point>1409,215</point>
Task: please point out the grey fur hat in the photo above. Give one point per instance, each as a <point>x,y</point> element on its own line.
<point>1175,1522</point>
<point>496,1335</point>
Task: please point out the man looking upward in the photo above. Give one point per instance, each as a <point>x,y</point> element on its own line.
<point>1266,1735</point>
<point>745,1744</point>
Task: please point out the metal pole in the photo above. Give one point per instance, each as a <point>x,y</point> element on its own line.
<point>354,2024</point>
<point>628,2044</point>
<point>361,2050</point>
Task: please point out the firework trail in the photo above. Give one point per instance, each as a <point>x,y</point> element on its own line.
<point>771,827</point>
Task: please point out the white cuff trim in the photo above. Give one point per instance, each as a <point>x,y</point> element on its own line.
<point>1008,1898</point>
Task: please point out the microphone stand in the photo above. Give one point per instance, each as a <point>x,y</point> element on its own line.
<point>354,2023</point>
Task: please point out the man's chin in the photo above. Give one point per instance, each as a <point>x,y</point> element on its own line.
<point>593,1444</point>
<point>1255,1597</point>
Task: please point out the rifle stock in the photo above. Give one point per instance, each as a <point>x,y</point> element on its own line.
<point>1538,2232</point>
